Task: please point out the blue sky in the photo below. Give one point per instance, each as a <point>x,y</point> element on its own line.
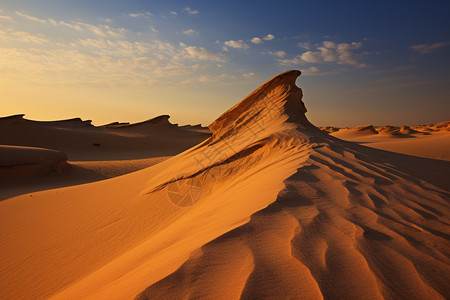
<point>383,62</point>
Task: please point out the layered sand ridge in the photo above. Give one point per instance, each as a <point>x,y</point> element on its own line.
<point>268,207</point>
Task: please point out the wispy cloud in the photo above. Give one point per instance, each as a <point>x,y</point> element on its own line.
<point>203,54</point>
<point>304,45</point>
<point>53,21</point>
<point>189,31</point>
<point>102,30</point>
<point>428,48</point>
<point>237,44</point>
<point>173,13</point>
<point>105,63</point>
<point>31,18</point>
<point>23,36</point>
<point>6,18</point>
<point>146,14</point>
<point>278,53</point>
<point>191,11</point>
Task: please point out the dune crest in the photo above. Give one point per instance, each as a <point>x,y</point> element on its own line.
<point>269,206</point>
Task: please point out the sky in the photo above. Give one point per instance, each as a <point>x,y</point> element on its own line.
<point>362,62</point>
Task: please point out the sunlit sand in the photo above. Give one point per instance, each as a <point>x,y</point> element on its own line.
<point>262,205</point>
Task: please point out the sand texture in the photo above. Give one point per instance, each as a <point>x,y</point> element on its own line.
<point>267,207</point>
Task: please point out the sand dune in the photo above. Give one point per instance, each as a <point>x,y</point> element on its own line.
<point>27,161</point>
<point>93,153</point>
<point>268,207</point>
<point>431,141</point>
<point>82,141</point>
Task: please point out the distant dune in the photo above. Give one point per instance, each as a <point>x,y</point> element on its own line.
<point>82,141</point>
<point>90,153</point>
<point>432,141</point>
<point>268,206</point>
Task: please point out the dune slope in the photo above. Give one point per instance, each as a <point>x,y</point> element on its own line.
<point>268,207</point>
<point>82,141</point>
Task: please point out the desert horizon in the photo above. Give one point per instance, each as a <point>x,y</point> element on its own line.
<point>224,150</point>
<point>149,211</point>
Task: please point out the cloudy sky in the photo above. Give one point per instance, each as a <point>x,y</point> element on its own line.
<point>363,62</point>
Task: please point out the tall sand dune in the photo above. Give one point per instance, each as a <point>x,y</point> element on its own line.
<point>268,207</point>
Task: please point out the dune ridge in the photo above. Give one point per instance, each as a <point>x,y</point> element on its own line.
<point>82,141</point>
<point>431,141</point>
<point>281,210</point>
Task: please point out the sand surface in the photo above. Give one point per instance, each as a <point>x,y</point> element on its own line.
<point>432,141</point>
<point>86,153</point>
<point>267,207</point>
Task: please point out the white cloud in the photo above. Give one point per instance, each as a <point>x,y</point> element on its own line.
<point>329,45</point>
<point>345,56</point>
<point>100,55</point>
<point>248,75</point>
<point>327,54</point>
<point>191,11</point>
<point>203,54</point>
<point>237,44</point>
<point>311,57</point>
<point>269,37</point>
<point>6,18</point>
<point>278,53</point>
<point>343,53</point>
<point>153,29</point>
<point>189,31</point>
<point>174,13</point>
<point>146,14</point>
<point>291,62</point>
<point>428,48</point>
<point>108,20</point>
<point>30,17</point>
<point>256,40</point>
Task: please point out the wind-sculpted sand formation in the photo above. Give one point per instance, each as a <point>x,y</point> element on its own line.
<point>267,207</point>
